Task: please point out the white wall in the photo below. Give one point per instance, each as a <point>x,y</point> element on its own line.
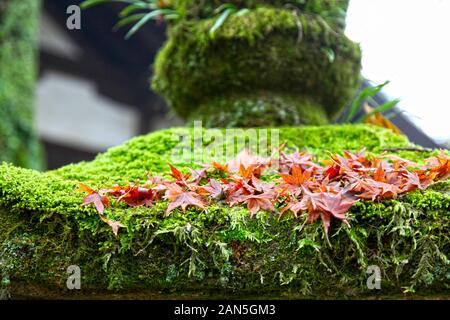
<point>70,112</point>
<point>408,42</point>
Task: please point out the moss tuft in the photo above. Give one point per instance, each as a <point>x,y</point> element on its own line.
<point>245,112</point>
<point>333,11</point>
<point>267,50</point>
<point>44,230</point>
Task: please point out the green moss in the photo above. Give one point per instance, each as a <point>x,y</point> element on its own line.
<point>333,11</point>
<point>44,230</point>
<point>260,51</point>
<point>18,25</point>
<point>244,112</point>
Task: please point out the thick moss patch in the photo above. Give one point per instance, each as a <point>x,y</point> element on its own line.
<point>268,49</point>
<point>44,230</point>
<point>333,11</point>
<point>260,110</point>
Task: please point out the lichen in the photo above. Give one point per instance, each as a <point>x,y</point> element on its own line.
<point>44,230</point>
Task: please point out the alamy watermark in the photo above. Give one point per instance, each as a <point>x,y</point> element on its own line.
<point>200,146</point>
<point>374,280</point>
<point>74,280</point>
<point>73,21</point>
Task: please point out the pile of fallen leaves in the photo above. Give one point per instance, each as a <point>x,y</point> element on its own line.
<point>297,184</point>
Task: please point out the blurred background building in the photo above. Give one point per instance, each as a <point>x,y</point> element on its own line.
<point>93,88</point>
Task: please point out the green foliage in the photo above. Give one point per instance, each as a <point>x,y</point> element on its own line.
<point>18,26</point>
<point>223,248</point>
<point>331,11</point>
<point>225,11</point>
<point>153,10</point>
<point>366,95</point>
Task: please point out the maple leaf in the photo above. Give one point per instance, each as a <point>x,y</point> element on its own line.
<point>344,164</point>
<point>297,178</point>
<point>258,202</point>
<point>297,159</point>
<point>325,205</point>
<point>335,204</point>
<point>197,175</point>
<point>332,171</point>
<point>254,185</point>
<point>325,185</point>
<point>246,173</point>
<point>309,200</point>
<point>245,162</point>
<point>98,200</point>
<point>84,188</point>
<point>137,196</point>
<point>220,167</point>
<point>358,156</point>
<point>359,160</point>
<point>179,197</point>
<point>375,190</point>
<point>380,174</point>
<point>412,182</point>
<point>213,189</point>
<point>439,166</point>
<point>400,163</point>
<point>294,206</point>
<point>235,191</point>
<point>115,225</point>
<point>133,195</point>
<point>177,175</point>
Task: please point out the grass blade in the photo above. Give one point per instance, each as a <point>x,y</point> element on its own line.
<point>132,8</point>
<point>384,107</point>
<point>357,103</point>
<point>92,3</point>
<point>147,17</point>
<point>128,20</point>
<point>220,21</point>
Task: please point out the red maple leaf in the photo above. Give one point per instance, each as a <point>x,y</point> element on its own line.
<point>325,205</point>
<point>94,197</point>
<point>439,166</point>
<point>324,193</point>
<point>179,197</point>
<point>197,175</point>
<point>138,196</point>
<point>245,164</point>
<point>257,202</point>
<point>115,225</point>
<point>297,159</point>
<point>294,206</point>
<point>297,178</point>
<point>220,167</point>
<point>213,189</point>
<point>177,175</point>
